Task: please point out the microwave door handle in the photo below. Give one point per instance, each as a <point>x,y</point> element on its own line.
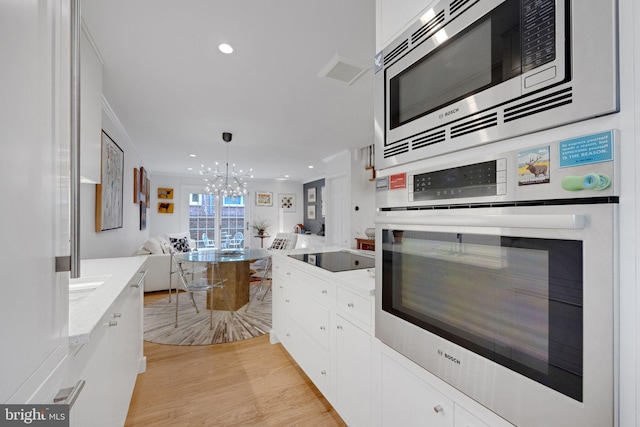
<point>567,221</point>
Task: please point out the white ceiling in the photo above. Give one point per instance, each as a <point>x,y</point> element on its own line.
<point>175,93</point>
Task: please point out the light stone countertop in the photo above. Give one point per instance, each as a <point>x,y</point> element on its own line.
<point>84,315</point>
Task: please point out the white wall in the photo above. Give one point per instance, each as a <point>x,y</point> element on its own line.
<point>159,224</point>
<point>122,241</point>
<point>362,195</point>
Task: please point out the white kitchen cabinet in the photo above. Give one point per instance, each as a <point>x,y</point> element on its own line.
<point>109,362</point>
<point>407,401</point>
<point>353,396</point>
<point>411,396</point>
<point>90,109</point>
<point>301,320</point>
<point>34,179</point>
<point>327,329</point>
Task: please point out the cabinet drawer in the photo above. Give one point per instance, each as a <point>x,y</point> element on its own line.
<point>354,305</point>
<point>313,360</point>
<point>320,290</point>
<point>311,317</point>
<point>464,418</point>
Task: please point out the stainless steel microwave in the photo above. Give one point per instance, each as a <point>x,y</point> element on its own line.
<point>471,72</point>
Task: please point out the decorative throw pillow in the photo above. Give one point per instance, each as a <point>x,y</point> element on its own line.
<point>180,244</point>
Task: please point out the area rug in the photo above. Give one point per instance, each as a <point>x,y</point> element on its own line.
<point>193,328</point>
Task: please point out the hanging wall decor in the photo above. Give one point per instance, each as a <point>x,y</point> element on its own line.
<point>165,193</point>
<point>264,199</point>
<point>109,193</point>
<point>136,185</point>
<point>287,202</point>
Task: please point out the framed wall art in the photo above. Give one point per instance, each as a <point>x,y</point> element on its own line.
<point>287,202</point>
<point>165,207</point>
<point>311,212</point>
<point>136,185</point>
<point>109,193</point>
<point>144,189</point>
<point>311,194</point>
<point>165,193</point>
<point>264,199</point>
<point>143,216</point>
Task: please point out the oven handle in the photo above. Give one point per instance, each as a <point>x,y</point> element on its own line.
<point>568,221</point>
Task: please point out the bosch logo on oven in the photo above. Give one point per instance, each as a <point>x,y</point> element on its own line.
<point>448,357</point>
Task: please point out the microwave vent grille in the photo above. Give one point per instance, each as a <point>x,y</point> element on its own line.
<point>428,28</point>
<point>396,149</point>
<point>459,4</point>
<point>539,104</point>
<point>474,125</point>
<point>396,52</point>
<point>428,139</point>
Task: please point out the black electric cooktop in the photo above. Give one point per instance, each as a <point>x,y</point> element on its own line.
<point>337,261</point>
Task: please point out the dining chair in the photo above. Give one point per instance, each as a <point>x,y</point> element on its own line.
<point>236,240</point>
<point>208,243</point>
<point>262,267</point>
<point>195,279</point>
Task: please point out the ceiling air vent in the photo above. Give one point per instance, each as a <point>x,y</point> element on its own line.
<point>342,69</point>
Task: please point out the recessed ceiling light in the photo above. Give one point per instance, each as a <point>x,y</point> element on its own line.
<point>310,166</point>
<point>286,176</point>
<point>225,48</point>
<point>189,169</point>
<point>192,155</point>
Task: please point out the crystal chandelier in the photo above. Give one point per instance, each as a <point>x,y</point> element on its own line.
<point>225,183</point>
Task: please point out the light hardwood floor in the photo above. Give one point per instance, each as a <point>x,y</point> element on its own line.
<point>245,383</point>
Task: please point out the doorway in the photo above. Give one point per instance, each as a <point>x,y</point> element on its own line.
<point>217,222</point>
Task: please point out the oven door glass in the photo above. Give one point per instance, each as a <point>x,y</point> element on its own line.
<point>517,301</point>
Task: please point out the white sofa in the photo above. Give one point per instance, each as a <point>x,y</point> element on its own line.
<point>158,263</point>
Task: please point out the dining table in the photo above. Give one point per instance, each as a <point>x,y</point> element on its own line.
<point>232,266</point>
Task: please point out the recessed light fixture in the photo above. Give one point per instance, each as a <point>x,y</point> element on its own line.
<point>286,176</point>
<point>225,48</point>
<point>310,166</point>
<point>192,155</point>
<point>189,169</point>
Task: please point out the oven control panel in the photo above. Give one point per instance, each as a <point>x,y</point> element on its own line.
<point>475,180</point>
<point>581,167</point>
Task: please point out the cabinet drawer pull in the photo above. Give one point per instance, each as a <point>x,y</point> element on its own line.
<point>323,372</point>
<point>339,327</point>
<point>288,335</point>
<point>324,292</point>
<point>438,408</point>
<point>322,328</point>
<point>288,273</point>
<point>116,315</point>
<point>137,284</point>
<point>350,305</point>
<point>286,300</point>
<point>68,396</point>
<point>112,323</point>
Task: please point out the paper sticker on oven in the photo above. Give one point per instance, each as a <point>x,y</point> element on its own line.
<point>533,166</point>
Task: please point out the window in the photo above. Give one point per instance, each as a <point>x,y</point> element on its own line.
<point>223,225</point>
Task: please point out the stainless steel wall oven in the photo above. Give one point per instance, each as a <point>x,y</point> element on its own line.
<point>498,276</point>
